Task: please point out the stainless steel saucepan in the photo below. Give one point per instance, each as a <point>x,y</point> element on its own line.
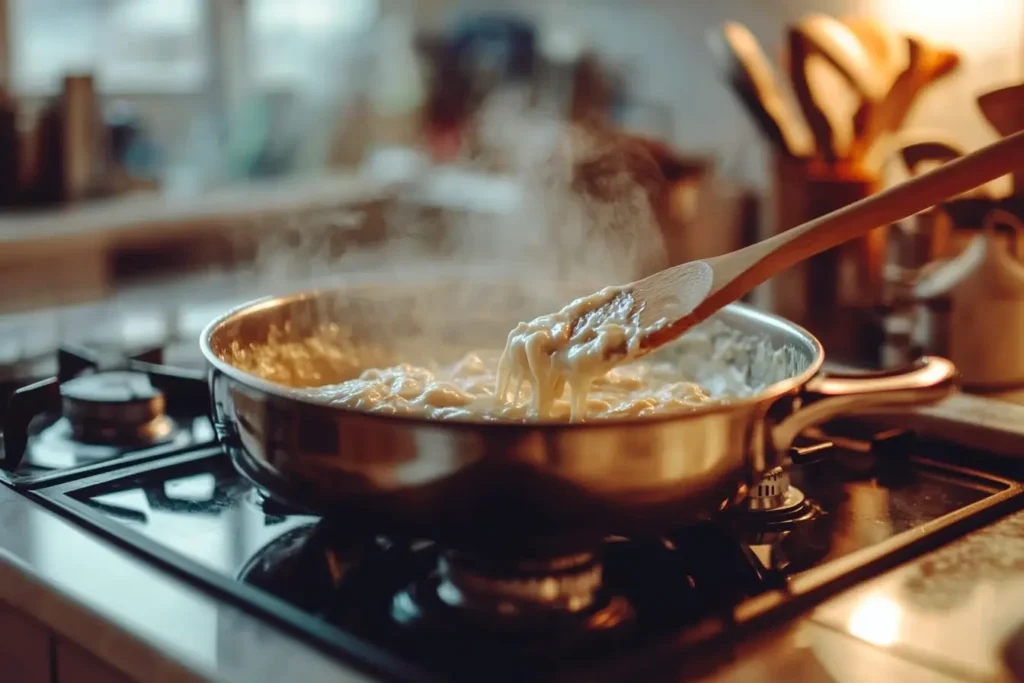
<point>511,488</point>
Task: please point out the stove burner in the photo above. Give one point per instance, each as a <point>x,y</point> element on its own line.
<point>388,592</point>
<point>96,409</point>
<point>770,515</point>
<point>559,598</point>
<point>115,407</point>
<point>565,583</point>
<point>774,493</point>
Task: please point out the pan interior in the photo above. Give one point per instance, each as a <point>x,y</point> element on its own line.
<point>330,336</point>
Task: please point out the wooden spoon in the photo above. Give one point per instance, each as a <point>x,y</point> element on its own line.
<point>829,39</point>
<point>930,150</point>
<point>688,293</point>
<point>752,78</point>
<point>925,65</point>
<point>1004,109</point>
<point>881,45</point>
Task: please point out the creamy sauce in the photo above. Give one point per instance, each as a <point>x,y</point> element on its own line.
<point>466,390</point>
<point>570,350</point>
<point>709,364</point>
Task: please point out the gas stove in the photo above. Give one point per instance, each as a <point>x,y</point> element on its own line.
<point>122,444</point>
<point>101,410</point>
<point>854,503</point>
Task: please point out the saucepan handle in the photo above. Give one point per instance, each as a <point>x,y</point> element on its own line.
<point>928,380</point>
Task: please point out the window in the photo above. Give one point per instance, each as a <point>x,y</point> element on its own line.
<point>130,45</point>
<point>293,41</point>
<point>142,46</point>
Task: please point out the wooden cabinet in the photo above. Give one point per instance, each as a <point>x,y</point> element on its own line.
<point>75,665</point>
<point>25,647</point>
<point>31,653</point>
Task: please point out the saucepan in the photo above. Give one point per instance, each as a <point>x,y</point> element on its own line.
<point>519,488</point>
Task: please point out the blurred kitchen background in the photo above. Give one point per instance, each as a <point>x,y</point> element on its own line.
<point>162,159</point>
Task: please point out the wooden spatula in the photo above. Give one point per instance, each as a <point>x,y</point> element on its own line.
<point>881,45</point>
<point>748,72</point>
<point>929,151</point>
<point>925,65</point>
<point>823,37</point>
<point>1004,109</point>
<point>668,303</point>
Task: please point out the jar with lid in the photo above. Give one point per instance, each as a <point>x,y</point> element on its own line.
<point>972,306</point>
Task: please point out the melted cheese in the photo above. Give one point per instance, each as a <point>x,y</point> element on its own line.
<point>709,364</point>
<point>466,390</point>
<point>570,349</point>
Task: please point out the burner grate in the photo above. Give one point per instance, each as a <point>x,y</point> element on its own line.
<point>98,408</point>
<point>698,587</point>
<point>388,592</point>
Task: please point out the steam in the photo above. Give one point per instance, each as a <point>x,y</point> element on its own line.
<point>602,234</point>
<point>578,211</point>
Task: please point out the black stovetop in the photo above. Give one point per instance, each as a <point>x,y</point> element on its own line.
<point>874,504</point>
<point>37,440</point>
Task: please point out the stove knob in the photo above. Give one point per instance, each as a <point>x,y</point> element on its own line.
<point>770,492</point>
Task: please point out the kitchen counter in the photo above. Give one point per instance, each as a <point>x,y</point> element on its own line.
<point>952,609</point>
<point>144,623</point>
<point>139,214</point>
<point>68,255</point>
<point>63,256</point>
<point>942,617</point>
<point>107,218</point>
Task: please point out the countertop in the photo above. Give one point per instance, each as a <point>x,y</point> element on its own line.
<point>69,255</point>
<point>151,626</point>
<point>443,187</point>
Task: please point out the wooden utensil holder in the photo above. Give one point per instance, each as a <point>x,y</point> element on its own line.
<point>834,294</point>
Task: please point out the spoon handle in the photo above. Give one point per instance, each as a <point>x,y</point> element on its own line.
<point>760,261</point>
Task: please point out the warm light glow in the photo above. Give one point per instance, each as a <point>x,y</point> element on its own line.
<point>987,35</point>
<point>978,28</point>
<point>876,620</point>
